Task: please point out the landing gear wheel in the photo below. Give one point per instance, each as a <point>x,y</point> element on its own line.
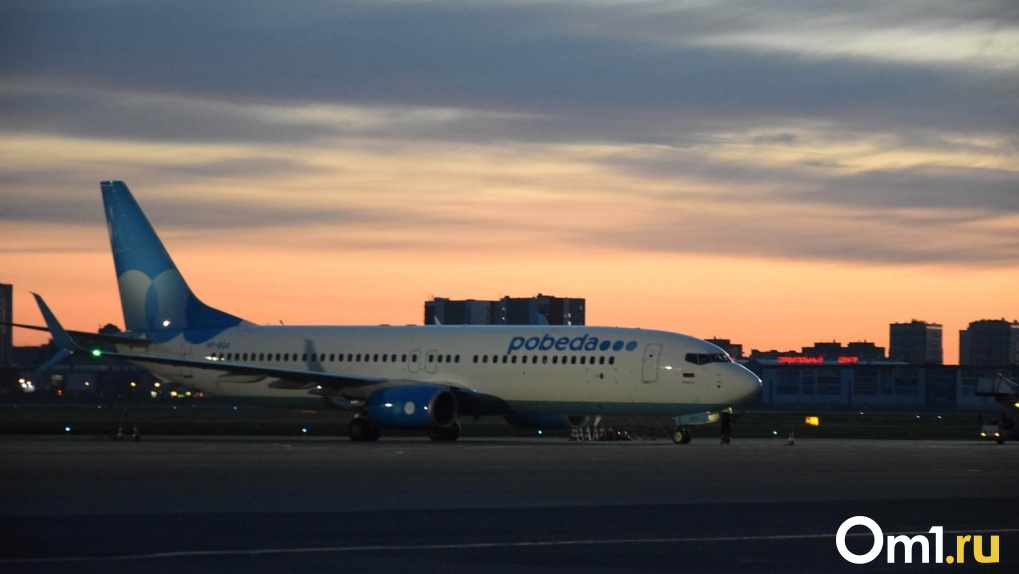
<point>681,435</point>
<point>363,430</point>
<point>375,434</point>
<point>450,433</point>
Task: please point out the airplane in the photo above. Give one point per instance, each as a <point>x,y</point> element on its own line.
<point>399,377</point>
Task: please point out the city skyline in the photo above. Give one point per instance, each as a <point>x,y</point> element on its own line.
<point>775,173</point>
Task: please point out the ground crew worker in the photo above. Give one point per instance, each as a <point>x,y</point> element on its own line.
<point>726,425</point>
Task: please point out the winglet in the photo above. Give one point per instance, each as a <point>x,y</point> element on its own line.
<point>61,339</point>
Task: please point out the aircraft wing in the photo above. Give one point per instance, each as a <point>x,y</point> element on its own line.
<point>89,339</point>
<point>238,372</point>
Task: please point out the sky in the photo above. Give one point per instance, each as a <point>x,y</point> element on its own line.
<point>773,172</point>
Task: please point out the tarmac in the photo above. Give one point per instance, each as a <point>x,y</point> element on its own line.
<point>310,504</point>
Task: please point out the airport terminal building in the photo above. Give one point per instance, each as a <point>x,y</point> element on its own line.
<point>836,385</point>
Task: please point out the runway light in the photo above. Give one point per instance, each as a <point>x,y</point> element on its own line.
<point>982,433</point>
<point>235,407</point>
<point>304,430</point>
<point>67,429</point>
<point>774,433</point>
<point>539,432</point>
<point>97,353</point>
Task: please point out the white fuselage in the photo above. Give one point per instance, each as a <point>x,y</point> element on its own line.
<point>539,369</point>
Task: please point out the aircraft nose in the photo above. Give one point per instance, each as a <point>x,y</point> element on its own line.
<point>747,384</point>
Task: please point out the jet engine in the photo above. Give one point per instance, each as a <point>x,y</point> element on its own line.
<point>412,407</point>
<point>547,421</point>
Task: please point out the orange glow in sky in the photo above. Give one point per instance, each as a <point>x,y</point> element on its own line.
<point>777,177</point>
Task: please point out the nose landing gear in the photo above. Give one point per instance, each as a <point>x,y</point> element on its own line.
<point>681,435</point>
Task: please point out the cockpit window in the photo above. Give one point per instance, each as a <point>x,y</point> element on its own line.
<point>705,358</point>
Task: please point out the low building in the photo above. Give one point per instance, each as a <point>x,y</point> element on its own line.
<point>538,310</point>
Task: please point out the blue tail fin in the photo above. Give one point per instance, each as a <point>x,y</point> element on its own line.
<point>153,293</point>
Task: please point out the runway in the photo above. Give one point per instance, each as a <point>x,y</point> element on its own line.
<point>77,504</point>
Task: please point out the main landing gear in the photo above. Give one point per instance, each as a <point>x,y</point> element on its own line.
<point>450,433</point>
<point>681,435</point>
<point>362,429</point>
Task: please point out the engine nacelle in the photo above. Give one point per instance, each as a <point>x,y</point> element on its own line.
<point>412,407</point>
<point>547,421</point>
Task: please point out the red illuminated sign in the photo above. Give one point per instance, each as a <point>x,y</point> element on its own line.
<point>815,360</point>
<point>800,360</point>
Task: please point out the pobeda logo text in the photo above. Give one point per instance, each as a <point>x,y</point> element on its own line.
<point>582,343</point>
<point>907,544</point>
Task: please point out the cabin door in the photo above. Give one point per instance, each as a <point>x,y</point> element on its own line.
<point>650,368</point>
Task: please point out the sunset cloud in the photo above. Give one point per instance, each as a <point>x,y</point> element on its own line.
<point>868,135</point>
